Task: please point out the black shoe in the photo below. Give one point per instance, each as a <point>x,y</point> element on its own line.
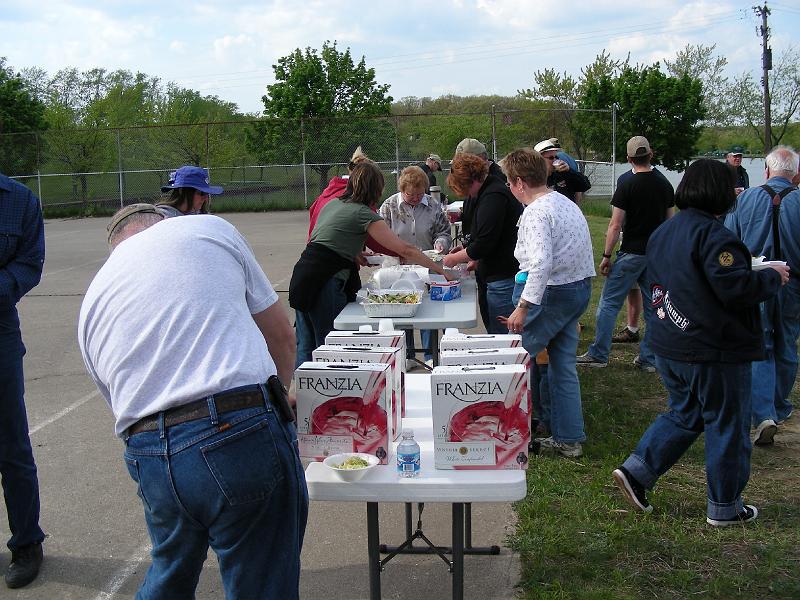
<point>24,567</point>
<point>626,336</point>
<point>632,489</point>
<point>749,513</point>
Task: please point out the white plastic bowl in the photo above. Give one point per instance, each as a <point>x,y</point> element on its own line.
<point>350,475</point>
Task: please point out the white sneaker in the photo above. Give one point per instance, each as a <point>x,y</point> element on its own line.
<point>765,433</point>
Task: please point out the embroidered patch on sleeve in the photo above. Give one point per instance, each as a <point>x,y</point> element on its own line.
<point>725,259</point>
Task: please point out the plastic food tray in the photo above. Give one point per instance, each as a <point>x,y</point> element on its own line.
<point>390,309</point>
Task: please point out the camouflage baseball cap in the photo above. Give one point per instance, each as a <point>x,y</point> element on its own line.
<point>124,213</point>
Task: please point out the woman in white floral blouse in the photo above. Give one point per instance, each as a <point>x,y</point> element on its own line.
<point>552,290</point>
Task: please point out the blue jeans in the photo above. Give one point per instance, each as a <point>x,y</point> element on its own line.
<point>425,337</point>
<point>200,486</point>
<point>627,270</point>
<point>499,303</point>
<point>703,397</point>
<point>773,378</point>
<point>554,325</point>
<point>314,325</point>
<point>17,467</point>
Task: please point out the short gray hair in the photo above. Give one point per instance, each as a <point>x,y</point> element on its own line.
<point>782,159</point>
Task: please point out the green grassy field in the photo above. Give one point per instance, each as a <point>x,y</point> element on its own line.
<point>578,538</point>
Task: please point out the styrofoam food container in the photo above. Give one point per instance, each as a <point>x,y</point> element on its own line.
<point>350,475</point>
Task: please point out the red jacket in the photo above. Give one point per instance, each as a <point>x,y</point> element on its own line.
<point>335,189</point>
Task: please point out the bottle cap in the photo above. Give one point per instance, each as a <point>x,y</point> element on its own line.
<point>407,432</point>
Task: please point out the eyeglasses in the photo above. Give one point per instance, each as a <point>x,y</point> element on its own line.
<point>412,197</point>
<point>198,192</point>
<point>550,157</point>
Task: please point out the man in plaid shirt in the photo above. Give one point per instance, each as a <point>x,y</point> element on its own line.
<point>21,262</point>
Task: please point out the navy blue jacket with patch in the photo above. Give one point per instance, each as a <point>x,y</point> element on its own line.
<point>705,294</point>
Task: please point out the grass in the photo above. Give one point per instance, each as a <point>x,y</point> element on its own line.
<point>578,538</point>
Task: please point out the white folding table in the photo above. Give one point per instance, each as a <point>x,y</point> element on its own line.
<point>461,313</point>
<point>382,484</point>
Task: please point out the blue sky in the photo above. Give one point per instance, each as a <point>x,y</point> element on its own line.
<point>463,47</point>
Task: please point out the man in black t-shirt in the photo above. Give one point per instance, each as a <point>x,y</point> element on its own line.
<point>639,206</point>
<point>431,164</point>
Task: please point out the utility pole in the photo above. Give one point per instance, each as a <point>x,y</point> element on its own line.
<point>766,65</point>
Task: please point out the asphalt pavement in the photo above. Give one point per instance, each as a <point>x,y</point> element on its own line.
<point>97,545</point>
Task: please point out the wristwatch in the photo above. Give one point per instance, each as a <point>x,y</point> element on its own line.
<point>523,304</point>
<point>606,255</point>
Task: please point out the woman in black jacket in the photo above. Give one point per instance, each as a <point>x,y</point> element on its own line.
<point>706,332</point>
<point>491,227</point>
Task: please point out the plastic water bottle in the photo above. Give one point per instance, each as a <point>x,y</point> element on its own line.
<point>408,455</point>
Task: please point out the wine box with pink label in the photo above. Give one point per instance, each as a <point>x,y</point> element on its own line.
<point>343,407</point>
<point>480,417</point>
<point>376,339</point>
<point>363,354</point>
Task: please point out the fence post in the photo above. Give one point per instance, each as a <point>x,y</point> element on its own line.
<point>494,135</point>
<point>208,153</point>
<point>305,177</point>
<point>39,172</point>
<point>397,146</point>
<point>613,147</point>
<point>119,172</point>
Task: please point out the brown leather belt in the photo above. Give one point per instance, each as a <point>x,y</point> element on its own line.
<point>224,401</point>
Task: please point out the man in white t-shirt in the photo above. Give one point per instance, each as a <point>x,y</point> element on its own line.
<point>183,334</point>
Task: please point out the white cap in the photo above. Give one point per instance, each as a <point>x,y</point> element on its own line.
<point>385,325</point>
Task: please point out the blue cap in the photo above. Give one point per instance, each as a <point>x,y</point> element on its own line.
<point>191,177</point>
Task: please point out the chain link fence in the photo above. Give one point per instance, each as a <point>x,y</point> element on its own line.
<point>277,164</point>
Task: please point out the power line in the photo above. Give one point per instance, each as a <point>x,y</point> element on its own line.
<point>539,41</point>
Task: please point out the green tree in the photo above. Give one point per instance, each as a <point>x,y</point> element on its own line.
<point>586,135</point>
<point>784,86</point>
<point>325,104</point>
<point>667,110</point>
<point>21,115</point>
<point>699,61</point>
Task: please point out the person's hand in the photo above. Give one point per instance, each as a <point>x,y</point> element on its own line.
<point>560,166</point>
<point>439,247</point>
<point>361,260</point>
<point>783,270</point>
<point>516,321</point>
<point>605,266</point>
<point>471,265</point>
<point>450,261</point>
<point>450,276</point>
<point>455,249</point>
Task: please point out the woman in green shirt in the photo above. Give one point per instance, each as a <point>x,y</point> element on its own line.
<point>326,276</point>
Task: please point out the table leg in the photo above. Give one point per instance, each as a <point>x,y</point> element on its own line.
<point>373,554</point>
<point>435,346</point>
<point>458,551</point>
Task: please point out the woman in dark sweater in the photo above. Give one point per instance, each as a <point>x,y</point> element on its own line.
<point>705,296</point>
<point>492,236</point>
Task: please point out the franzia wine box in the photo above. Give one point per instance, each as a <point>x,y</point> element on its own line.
<point>380,339</point>
<point>480,417</point>
<point>343,407</point>
<point>453,340</point>
<point>516,355</point>
<point>363,354</point>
